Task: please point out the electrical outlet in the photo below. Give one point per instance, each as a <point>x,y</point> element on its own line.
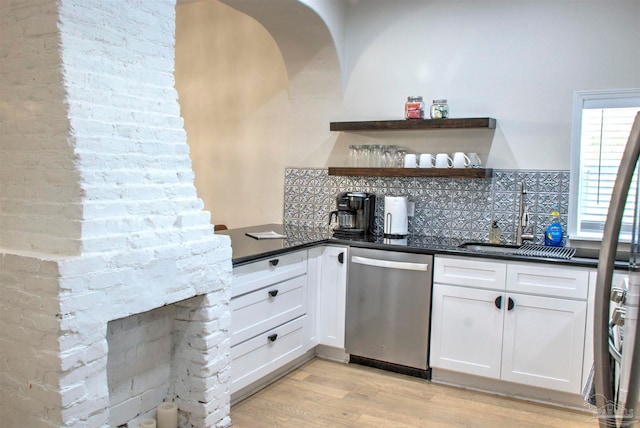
<point>411,209</point>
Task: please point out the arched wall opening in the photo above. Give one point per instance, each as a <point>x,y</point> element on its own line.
<point>257,84</point>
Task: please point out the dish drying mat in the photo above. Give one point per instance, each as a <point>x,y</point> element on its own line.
<point>533,250</point>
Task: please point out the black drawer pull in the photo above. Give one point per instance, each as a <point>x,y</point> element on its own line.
<point>510,304</point>
<point>341,258</point>
<point>273,293</point>
<point>274,262</point>
<point>498,302</point>
<point>272,338</point>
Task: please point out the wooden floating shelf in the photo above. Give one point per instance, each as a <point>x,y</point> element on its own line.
<point>415,124</point>
<point>412,172</point>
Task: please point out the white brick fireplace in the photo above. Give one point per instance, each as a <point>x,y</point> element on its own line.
<point>113,288</point>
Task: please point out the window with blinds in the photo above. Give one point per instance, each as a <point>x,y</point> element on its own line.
<point>605,120</point>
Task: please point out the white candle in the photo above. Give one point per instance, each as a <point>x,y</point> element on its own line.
<point>148,423</point>
<point>168,415</point>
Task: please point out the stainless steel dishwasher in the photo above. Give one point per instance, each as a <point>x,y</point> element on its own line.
<point>388,309</point>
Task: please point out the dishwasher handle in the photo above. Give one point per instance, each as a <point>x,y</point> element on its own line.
<point>390,264</point>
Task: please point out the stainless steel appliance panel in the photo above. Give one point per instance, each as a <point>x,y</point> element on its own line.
<point>388,306</point>
<point>617,377</point>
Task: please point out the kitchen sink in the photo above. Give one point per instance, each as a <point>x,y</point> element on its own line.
<point>490,248</point>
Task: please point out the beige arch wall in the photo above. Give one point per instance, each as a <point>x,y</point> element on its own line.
<point>251,106</point>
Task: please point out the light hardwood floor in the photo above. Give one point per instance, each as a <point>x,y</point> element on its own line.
<point>327,394</point>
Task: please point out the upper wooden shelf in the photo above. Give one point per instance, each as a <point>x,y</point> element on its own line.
<point>414,124</point>
<point>412,172</point>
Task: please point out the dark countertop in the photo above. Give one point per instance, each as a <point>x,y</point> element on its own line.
<point>247,249</point>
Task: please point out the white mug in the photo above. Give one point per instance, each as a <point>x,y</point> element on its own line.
<point>426,160</point>
<point>443,161</point>
<point>410,160</point>
<point>460,160</point>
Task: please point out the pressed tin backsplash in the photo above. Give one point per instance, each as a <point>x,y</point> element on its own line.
<point>448,211</point>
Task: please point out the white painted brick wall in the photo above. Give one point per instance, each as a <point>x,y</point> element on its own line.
<point>205,411</point>
<point>100,223</point>
<point>36,161</point>
<point>130,138</point>
<point>139,363</point>
<point>28,363</point>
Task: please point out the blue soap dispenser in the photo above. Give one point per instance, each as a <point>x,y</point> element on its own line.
<point>553,235</point>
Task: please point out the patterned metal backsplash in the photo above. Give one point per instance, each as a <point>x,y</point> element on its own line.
<point>447,210</point>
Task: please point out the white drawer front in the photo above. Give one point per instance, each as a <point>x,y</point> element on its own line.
<point>255,358</point>
<point>533,278</point>
<point>258,311</point>
<point>252,276</point>
<point>469,272</point>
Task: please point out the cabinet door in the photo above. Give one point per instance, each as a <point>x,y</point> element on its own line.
<point>466,330</point>
<point>332,289</point>
<point>544,341</point>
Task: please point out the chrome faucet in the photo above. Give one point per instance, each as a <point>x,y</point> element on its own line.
<point>523,218</point>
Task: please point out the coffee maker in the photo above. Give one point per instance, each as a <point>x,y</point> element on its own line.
<point>355,215</point>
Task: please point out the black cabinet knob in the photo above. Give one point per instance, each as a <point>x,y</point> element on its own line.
<point>341,258</point>
<point>511,304</point>
<point>273,293</point>
<point>498,302</point>
<point>272,338</point>
<point>274,262</point>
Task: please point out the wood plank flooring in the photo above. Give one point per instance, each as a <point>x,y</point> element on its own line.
<point>327,394</point>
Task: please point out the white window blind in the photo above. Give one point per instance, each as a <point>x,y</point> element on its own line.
<point>605,124</point>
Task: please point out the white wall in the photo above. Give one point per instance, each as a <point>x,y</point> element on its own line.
<point>333,13</point>
<point>517,61</point>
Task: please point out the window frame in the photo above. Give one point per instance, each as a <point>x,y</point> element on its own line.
<point>580,99</point>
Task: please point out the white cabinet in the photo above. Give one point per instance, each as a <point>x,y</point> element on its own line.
<point>267,308</point>
<point>518,322</point>
<point>477,272</point>
<point>262,273</point>
<point>543,342</point>
<point>268,316</point>
<point>332,290</point>
<point>266,352</point>
<point>466,330</point>
<point>566,282</point>
<point>282,307</point>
